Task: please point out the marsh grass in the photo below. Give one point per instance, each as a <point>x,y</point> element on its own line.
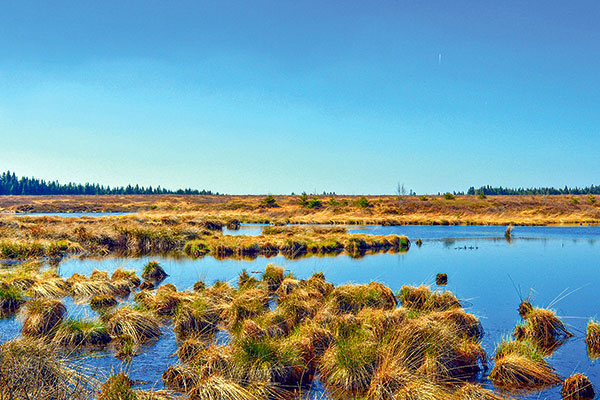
<point>128,321</point>
<point>592,339</point>
<point>42,317</point>
<point>577,387</point>
<point>81,332</point>
<point>154,272</point>
<point>34,369</point>
<point>519,365</point>
<point>543,327</point>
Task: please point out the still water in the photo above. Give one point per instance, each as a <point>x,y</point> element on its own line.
<point>556,266</point>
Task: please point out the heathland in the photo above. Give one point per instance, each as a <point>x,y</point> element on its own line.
<point>289,209</point>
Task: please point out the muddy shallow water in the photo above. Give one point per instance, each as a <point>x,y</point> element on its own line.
<point>487,272</point>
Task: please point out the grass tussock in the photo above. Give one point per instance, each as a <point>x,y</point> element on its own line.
<point>592,339</point>
<point>138,325</point>
<point>422,299</point>
<point>81,332</point>
<point>577,387</point>
<point>43,316</point>
<point>35,369</point>
<point>519,365</point>
<point>154,272</point>
<point>543,327</point>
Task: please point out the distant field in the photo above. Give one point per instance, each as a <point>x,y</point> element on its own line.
<point>493,210</point>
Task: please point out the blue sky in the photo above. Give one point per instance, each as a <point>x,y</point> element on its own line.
<point>281,96</point>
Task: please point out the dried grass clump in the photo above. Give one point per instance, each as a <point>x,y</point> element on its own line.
<point>147,285</point>
<point>317,282</point>
<point>220,388</point>
<point>248,304</point>
<point>42,317</point>
<point>422,299</point>
<point>520,365</point>
<point>300,305</point>
<point>543,327</point>
<point>273,277</point>
<point>89,288</point>
<point>154,272</point>
<point>34,369</point>
<point>200,317</point>
<point>181,378</point>
<point>577,387</point>
<point>192,348</point>
<point>117,387</point>
<point>49,288</point>
<point>127,321</point>
<point>99,275</point>
<point>349,365</point>
<point>518,372</point>
<point>288,285</point>
<point>266,360</point>
<point>471,391</point>
<point>462,323</point>
<point>592,339</point>
<point>245,281</point>
<point>525,308</point>
<point>435,350</point>
<point>353,298</point>
<point>11,299</point>
<point>121,274</point>
<point>441,279</point>
<point>83,332</point>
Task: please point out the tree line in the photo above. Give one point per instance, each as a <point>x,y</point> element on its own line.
<point>489,190</point>
<point>10,184</point>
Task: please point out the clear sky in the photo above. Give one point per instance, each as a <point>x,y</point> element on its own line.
<point>281,96</point>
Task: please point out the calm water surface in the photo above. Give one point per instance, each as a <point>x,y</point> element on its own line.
<point>488,273</point>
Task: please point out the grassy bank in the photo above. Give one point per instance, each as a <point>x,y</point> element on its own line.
<point>490,210</point>
<point>188,234</point>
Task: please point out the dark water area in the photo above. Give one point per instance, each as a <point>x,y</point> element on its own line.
<point>557,267</point>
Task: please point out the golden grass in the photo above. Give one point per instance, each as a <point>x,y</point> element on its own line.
<point>127,321</point>
<point>42,317</point>
<point>493,210</point>
<point>543,327</point>
<point>592,339</point>
<point>34,369</point>
<point>577,387</point>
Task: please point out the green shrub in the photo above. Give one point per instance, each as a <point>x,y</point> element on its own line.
<point>269,201</point>
<point>314,203</point>
<point>363,202</point>
<point>449,196</point>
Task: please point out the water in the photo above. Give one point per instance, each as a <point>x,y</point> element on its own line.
<point>449,231</point>
<point>69,214</point>
<point>481,266</point>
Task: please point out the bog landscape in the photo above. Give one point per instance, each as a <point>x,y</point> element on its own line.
<point>299,200</point>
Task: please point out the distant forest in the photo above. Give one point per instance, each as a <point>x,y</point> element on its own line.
<point>488,190</point>
<point>11,185</point>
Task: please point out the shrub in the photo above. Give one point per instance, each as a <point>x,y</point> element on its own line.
<point>449,196</point>
<point>314,203</point>
<point>363,202</point>
<point>269,201</point>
